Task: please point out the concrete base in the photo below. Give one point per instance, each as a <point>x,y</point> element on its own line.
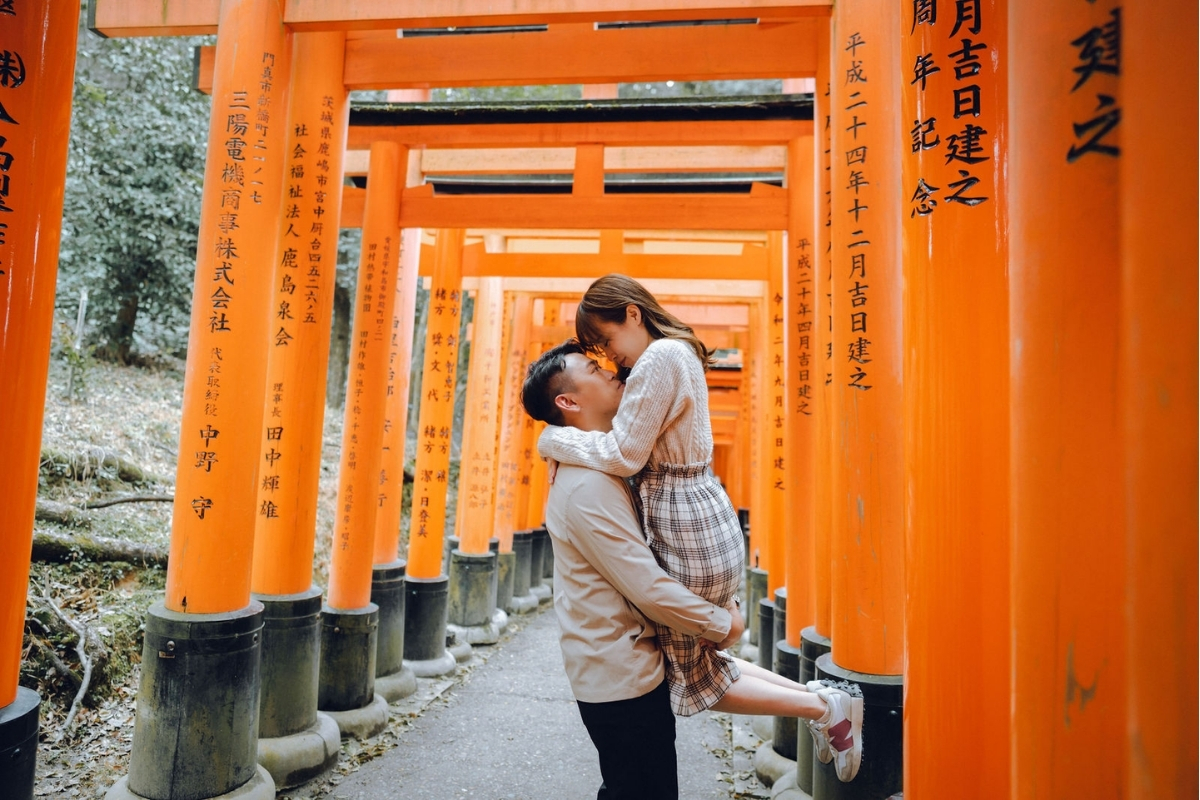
<point>398,685</point>
<point>481,634</point>
<point>763,727</point>
<point>362,723</point>
<point>259,787</point>
<point>786,789</point>
<point>769,766</point>
<point>457,644</point>
<point>445,664</point>
<point>300,757</point>
<point>18,744</point>
<point>523,604</point>
<point>881,773</point>
<point>746,650</point>
<point>542,592</point>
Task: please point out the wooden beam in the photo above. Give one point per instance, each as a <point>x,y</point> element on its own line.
<point>765,208</point>
<point>750,266</point>
<point>547,160</point>
<point>574,53</point>
<point>199,17</point>
<point>734,292</point>
<point>569,134</point>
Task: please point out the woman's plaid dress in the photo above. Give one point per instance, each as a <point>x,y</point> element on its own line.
<point>663,435</point>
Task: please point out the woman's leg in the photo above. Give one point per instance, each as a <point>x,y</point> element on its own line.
<point>750,668</point>
<point>751,694</point>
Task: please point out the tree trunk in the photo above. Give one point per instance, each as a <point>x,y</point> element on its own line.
<point>121,340</point>
<point>82,466</point>
<point>339,349</point>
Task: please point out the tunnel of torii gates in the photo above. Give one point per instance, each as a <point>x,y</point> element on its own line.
<point>964,426</point>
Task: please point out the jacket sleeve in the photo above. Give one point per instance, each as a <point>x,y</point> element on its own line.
<point>647,407</point>
<point>608,535</point>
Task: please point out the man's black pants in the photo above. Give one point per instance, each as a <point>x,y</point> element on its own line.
<point>636,742</point>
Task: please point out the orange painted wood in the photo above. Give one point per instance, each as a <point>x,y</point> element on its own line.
<point>512,421</point>
<point>776,472</point>
<point>588,178</point>
<point>199,17</point>
<point>395,425</point>
<point>302,314</point>
<point>1068,548</point>
<point>823,474</point>
<point>542,160</point>
<point>804,378</point>
<point>868,523</point>
<point>746,442</point>
<point>579,53</point>
<point>1158,174</point>
<point>481,422</point>
<point>436,420</point>
<point>956,406</point>
<point>572,53</point>
<point>539,482</point>
<point>765,209</point>
<point>690,212</point>
<point>751,265</point>
<point>562,134</point>
<point>217,479</point>
<point>34,161</point>
<point>754,360</point>
<point>364,419</point>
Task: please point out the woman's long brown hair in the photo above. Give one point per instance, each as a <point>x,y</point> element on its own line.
<point>606,300</point>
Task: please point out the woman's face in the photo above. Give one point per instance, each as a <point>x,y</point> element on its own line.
<point>625,342</point>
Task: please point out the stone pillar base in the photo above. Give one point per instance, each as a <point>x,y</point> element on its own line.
<point>523,604</point>
<point>457,644</point>
<point>397,686</point>
<point>445,664</point>
<point>756,589</point>
<point>542,592</point>
<point>881,773</point>
<point>259,787</point>
<point>812,646</point>
<point>769,766</point>
<point>300,757</point>
<point>362,723</point>
<point>786,789</point>
<point>18,743</point>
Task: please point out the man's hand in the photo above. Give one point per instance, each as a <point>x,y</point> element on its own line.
<point>737,626</point>
<point>551,471</point>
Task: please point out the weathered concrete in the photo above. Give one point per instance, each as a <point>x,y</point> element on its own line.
<point>362,723</point>
<point>506,564</point>
<point>259,787</point>
<point>301,756</point>
<point>291,663</point>
<point>389,592</point>
<point>457,644</point>
<point>398,685</point>
<point>756,589</point>
<point>348,644</point>
<point>786,789</point>
<point>473,588</point>
<point>18,743</point>
<point>769,766</point>
<point>196,729</point>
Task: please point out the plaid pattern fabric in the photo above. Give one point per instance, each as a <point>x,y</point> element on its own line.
<point>694,533</point>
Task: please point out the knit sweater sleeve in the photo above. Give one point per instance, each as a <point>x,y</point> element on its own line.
<point>647,407</point>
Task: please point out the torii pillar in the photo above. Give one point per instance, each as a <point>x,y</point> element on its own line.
<point>427,601</point>
<point>868,519</point>
<point>295,741</point>
<point>956,401</point>
<point>36,120</point>
<point>518,598</point>
<point>350,621</point>
<point>474,580</point>
<point>199,692</point>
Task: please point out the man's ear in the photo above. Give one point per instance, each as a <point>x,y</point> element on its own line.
<point>566,402</point>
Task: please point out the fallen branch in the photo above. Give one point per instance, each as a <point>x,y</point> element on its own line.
<point>64,548</point>
<point>62,513</point>
<point>82,466</point>
<point>130,498</point>
<point>85,661</point>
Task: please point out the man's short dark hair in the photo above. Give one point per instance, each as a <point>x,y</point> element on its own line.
<point>546,379</point>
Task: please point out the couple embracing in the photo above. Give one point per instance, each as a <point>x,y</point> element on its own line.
<point>646,571</point>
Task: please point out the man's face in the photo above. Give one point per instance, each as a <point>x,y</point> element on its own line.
<point>596,390</point>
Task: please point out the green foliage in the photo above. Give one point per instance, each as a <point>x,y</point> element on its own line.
<point>132,207</point>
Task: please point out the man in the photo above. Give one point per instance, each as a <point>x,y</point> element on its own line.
<point>605,580</point>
